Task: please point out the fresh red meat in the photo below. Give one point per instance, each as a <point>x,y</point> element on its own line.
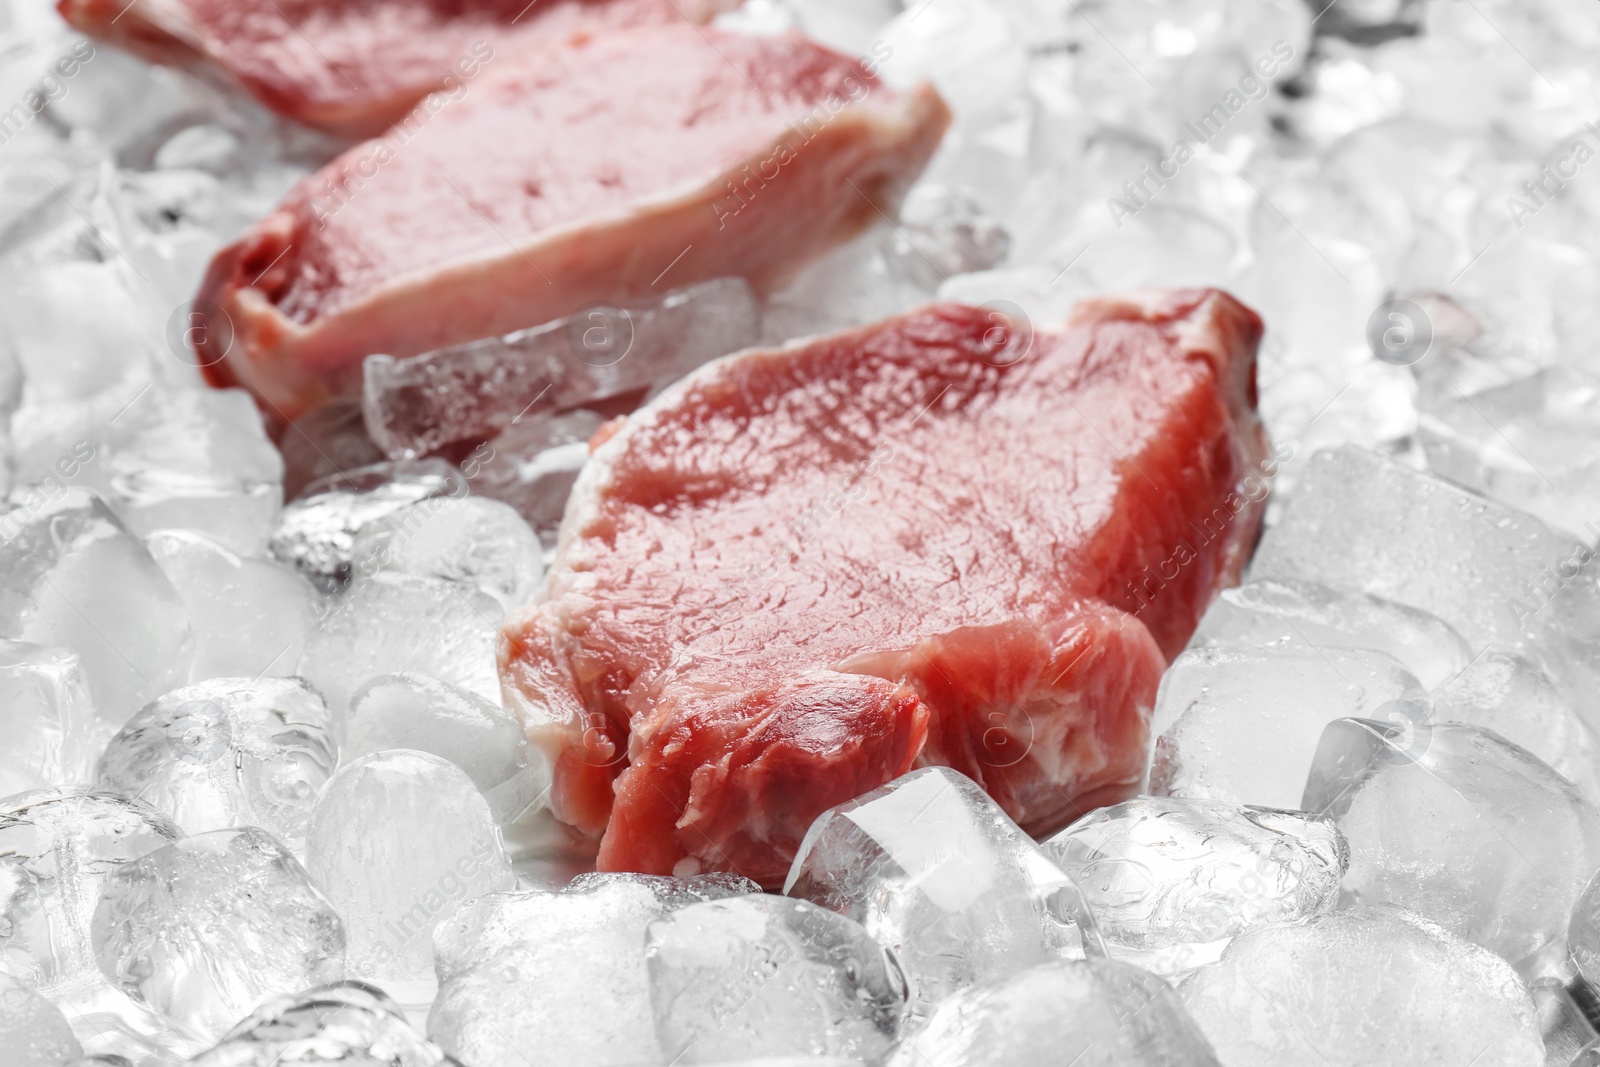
<point>608,169</point>
<point>936,540</point>
<point>352,67</point>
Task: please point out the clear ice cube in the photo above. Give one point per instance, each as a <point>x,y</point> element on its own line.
<point>1242,724</point>
<point>227,752</point>
<point>764,975</point>
<point>205,928</point>
<point>1296,614</point>
<point>1511,695</point>
<point>1364,987</point>
<point>33,1031</point>
<point>937,873</point>
<point>349,1023</point>
<point>316,534</point>
<point>1463,828</point>
<point>397,841</point>
<point>56,848</point>
<point>251,617</point>
<point>1500,576</point>
<point>401,622</point>
<point>415,711</point>
<point>477,389</point>
<point>533,465</point>
<point>1094,1013</point>
<point>471,540</point>
<point>47,716</point>
<point>517,969</point>
<point>71,574</point>
<point>1171,881</point>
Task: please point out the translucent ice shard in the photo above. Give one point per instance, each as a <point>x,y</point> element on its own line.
<point>46,717</point>
<point>1242,724</point>
<point>402,622</point>
<point>207,927</point>
<point>1298,614</point>
<point>56,848</point>
<point>475,390</point>
<point>1514,697</point>
<point>479,542</point>
<point>33,1031</point>
<point>762,975</point>
<point>397,841</point>
<point>317,533</point>
<point>1366,987</point>
<point>1499,576</point>
<point>251,616</point>
<point>227,752</point>
<point>516,969</point>
<point>1171,881</point>
<point>347,1023</point>
<point>533,465</point>
<point>1099,1012</point>
<point>415,711</point>
<point>937,873</point>
<point>1461,827</point>
<point>71,574</point>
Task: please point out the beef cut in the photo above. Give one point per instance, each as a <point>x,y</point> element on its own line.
<point>944,539</point>
<point>352,67</point>
<point>607,169</point>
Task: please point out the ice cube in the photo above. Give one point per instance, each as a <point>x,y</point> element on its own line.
<point>477,389</point>
<point>322,443</point>
<point>1499,576</point>
<point>397,841</point>
<point>1462,827</point>
<point>764,976</point>
<point>1365,987</point>
<point>49,722</point>
<point>1242,724</point>
<point>71,574</point>
<point>1100,1012</point>
<point>1527,443</point>
<point>467,539</point>
<point>1512,696</point>
<point>400,622</point>
<point>532,466</point>
<point>1296,614</point>
<point>251,617</point>
<point>517,969</point>
<point>945,231</point>
<point>317,533</point>
<point>415,711</point>
<point>33,1031</point>
<point>205,928</point>
<point>936,872</point>
<point>111,1024</point>
<point>348,1023</point>
<point>227,752</point>
<point>56,848</point>
<point>1171,881</point>
<point>1562,1021</point>
<point>195,459</point>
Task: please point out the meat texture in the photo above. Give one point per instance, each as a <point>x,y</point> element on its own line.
<point>605,170</point>
<point>352,68</point>
<point>943,539</point>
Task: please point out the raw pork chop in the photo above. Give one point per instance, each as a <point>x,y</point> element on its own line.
<point>607,169</point>
<point>802,572</point>
<point>351,67</point>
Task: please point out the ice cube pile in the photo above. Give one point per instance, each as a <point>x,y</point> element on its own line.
<point>261,803</point>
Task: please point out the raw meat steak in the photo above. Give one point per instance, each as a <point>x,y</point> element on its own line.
<point>937,540</point>
<point>606,169</point>
<point>352,67</point>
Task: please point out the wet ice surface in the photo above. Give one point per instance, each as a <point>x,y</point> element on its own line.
<point>1170,881</point>
<point>934,869</point>
<point>152,541</point>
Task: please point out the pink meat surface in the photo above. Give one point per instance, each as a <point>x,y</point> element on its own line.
<point>607,169</point>
<point>941,539</point>
<point>351,67</point>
